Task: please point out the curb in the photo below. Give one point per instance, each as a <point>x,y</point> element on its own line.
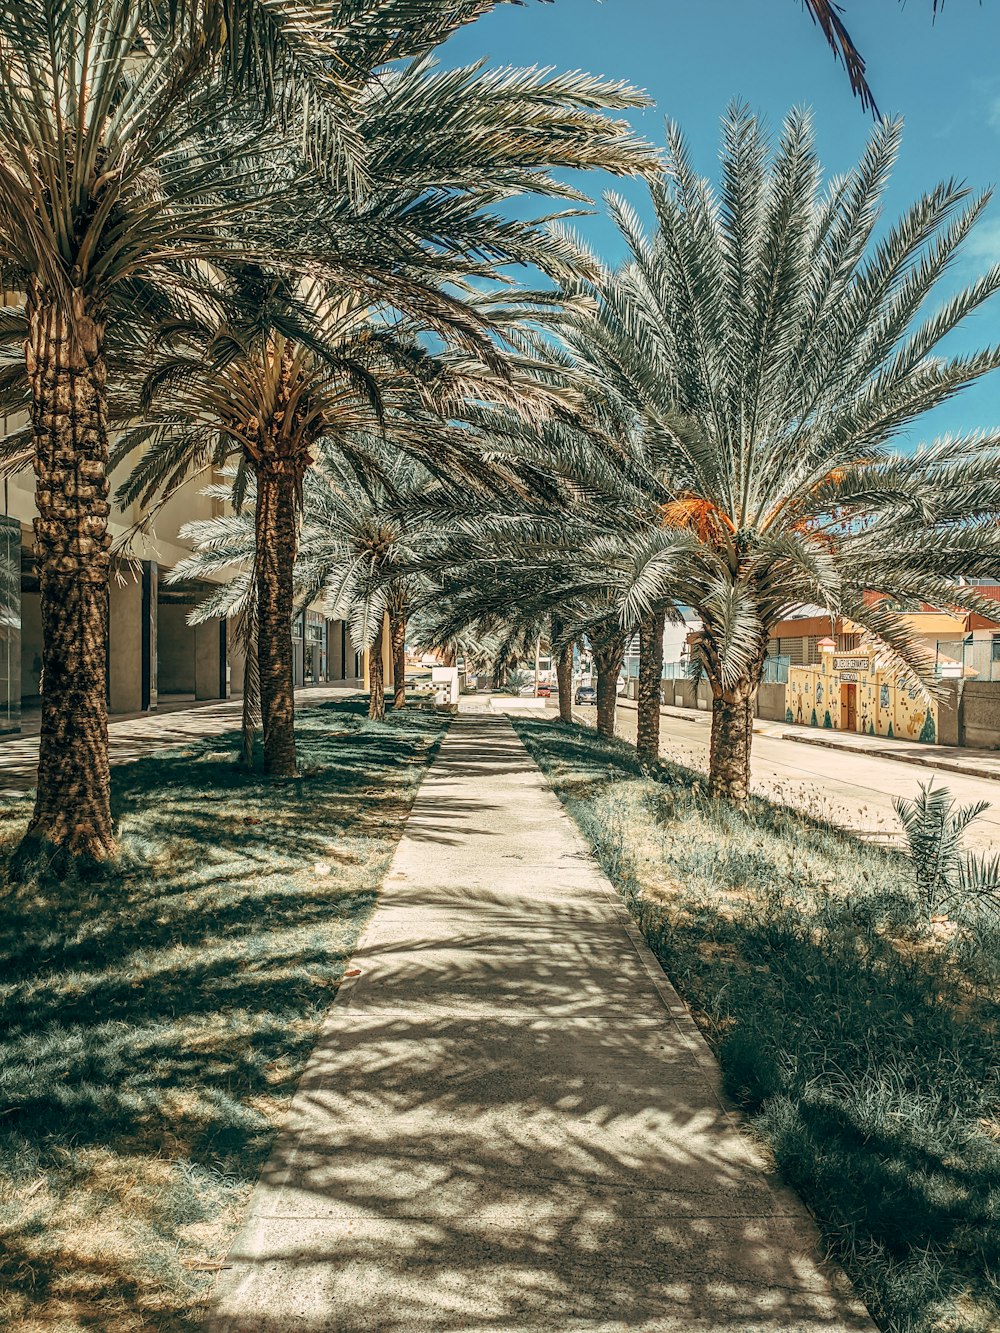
<point>945,765</point>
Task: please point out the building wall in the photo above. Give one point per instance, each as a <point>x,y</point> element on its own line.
<point>125,629</point>
<point>175,648</point>
<point>209,660</point>
<point>771,702</point>
<point>980,714</point>
<point>883,707</point>
<point>963,713</point>
<point>177,658</point>
<point>176,673</point>
<point>688,694</point>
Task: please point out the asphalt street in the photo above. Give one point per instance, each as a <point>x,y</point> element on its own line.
<point>847,788</point>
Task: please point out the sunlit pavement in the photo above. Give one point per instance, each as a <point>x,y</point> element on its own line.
<point>848,788</point>
<point>137,736</point>
<point>510,1122</point>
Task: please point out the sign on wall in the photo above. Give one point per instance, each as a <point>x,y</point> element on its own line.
<point>843,663</point>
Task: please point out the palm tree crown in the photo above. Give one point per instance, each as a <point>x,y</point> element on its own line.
<point>760,352</point>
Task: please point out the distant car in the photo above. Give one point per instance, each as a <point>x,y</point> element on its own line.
<point>586,694</point>
<point>544,691</point>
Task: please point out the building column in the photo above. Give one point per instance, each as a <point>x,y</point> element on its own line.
<point>209,659</point>
<point>150,619</point>
<point>132,642</point>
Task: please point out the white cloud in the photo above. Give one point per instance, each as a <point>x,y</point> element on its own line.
<point>984,241</point>
<point>993,115</point>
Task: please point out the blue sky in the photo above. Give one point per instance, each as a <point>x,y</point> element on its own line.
<point>694,56</point>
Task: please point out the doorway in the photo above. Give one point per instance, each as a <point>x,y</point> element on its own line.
<point>848,707</point>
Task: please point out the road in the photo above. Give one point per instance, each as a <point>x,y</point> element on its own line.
<point>846,788</point>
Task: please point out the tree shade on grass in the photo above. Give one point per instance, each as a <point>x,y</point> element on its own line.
<point>857,1032</point>
<point>155,1021</point>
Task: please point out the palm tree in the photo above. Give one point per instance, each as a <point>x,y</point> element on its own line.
<point>366,526</point>
<point>123,166</point>
<point>528,569</point>
<point>766,347</point>
<point>374,548</point>
<point>647,738</point>
<point>828,17</point>
<point>276,375</point>
<point>428,227</point>
<point>361,553</point>
<point>266,385</point>
<point>564,648</point>
<point>102,210</point>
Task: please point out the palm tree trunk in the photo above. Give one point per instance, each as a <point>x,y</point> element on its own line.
<point>564,680</point>
<point>72,819</point>
<point>397,635</point>
<point>650,674</point>
<point>276,539</point>
<point>251,701</point>
<point>608,657</point>
<point>376,678</point>
<point>248,730</point>
<point>732,733</point>
<point>733,707</point>
<point>247,634</point>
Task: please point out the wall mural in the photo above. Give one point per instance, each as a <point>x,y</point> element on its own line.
<point>817,696</point>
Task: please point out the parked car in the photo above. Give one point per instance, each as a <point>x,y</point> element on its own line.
<point>544,691</point>
<point>586,694</point>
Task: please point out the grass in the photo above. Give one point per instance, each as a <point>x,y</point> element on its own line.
<point>154,1022</point>
<point>859,1035</point>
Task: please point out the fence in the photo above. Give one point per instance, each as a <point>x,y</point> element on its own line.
<point>776,670</point>
<point>680,671</point>
<point>962,659</point>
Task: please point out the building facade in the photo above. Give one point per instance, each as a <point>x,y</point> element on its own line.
<point>155,657</point>
<point>846,691</point>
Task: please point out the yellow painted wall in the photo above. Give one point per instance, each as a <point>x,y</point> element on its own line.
<point>884,707</point>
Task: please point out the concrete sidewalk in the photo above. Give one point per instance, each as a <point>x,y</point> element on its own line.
<point>945,758</point>
<point>510,1122</point>
<point>136,735</point>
